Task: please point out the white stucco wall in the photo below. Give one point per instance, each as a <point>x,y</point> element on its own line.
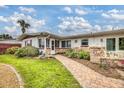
<point>34,41</point>
<point>93,41</point>
<point>97,42</point>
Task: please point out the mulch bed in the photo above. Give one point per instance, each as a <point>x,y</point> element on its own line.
<point>110,72</point>
<point>8,78</point>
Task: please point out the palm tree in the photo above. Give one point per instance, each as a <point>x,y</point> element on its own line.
<point>23,25</point>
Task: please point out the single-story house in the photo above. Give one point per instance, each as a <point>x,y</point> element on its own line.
<point>4,44</point>
<point>51,44</point>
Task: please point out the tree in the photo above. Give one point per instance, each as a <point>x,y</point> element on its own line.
<point>23,25</point>
<point>6,36</point>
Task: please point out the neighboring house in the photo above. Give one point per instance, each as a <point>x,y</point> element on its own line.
<point>52,44</point>
<point>4,44</point>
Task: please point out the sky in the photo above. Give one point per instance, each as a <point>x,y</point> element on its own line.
<point>61,19</point>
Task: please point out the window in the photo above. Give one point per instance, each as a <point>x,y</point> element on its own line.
<point>101,40</point>
<point>25,43</point>
<point>53,45</point>
<point>66,44</point>
<point>56,43</point>
<point>84,42</point>
<point>30,42</point>
<point>111,44</point>
<point>76,41</point>
<point>41,43</point>
<point>47,43</point>
<point>121,43</point>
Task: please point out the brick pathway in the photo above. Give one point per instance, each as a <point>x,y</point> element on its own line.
<point>9,77</point>
<point>88,77</point>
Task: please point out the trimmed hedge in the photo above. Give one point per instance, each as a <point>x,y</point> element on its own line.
<point>27,51</point>
<point>12,50</point>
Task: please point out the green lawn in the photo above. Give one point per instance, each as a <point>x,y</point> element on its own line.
<point>43,73</point>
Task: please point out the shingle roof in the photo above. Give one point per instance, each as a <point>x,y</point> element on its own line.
<point>95,34</point>
<point>44,34</point>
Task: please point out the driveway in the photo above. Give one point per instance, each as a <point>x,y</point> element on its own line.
<point>8,77</point>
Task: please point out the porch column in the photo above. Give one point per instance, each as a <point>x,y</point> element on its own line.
<point>45,43</point>
<point>60,44</point>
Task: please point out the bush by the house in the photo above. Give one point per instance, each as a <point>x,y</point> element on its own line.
<point>71,53</point>
<point>20,53</point>
<point>12,50</point>
<point>84,55</point>
<point>27,51</point>
<point>74,54</point>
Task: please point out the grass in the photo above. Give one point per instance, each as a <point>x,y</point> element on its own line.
<point>45,73</point>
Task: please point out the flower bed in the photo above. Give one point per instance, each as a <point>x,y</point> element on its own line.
<point>82,57</point>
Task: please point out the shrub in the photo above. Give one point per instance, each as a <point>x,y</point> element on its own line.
<point>67,53</point>
<point>74,54</point>
<point>71,53</point>
<point>12,50</point>
<point>28,51</point>
<point>20,53</point>
<point>83,55</point>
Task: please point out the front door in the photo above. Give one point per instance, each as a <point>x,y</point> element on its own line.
<point>53,47</point>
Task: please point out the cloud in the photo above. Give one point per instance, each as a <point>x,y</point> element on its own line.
<point>114,14</point>
<point>25,9</point>
<point>97,28</point>
<point>36,24</point>
<point>10,29</point>
<point>3,6</point>
<point>113,11</point>
<point>108,27</point>
<point>80,12</point>
<point>68,10</point>
<point>3,19</point>
<point>73,24</point>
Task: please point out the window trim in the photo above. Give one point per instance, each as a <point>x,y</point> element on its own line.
<point>40,43</point>
<point>47,43</point>
<point>114,44</point>
<point>67,43</point>
<point>119,43</point>
<point>57,43</point>
<point>85,41</point>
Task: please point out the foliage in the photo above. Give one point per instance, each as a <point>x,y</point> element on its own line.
<point>41,73</point>
<point>5,36</point>
<point>12,50</point>
<point>23,25</point>
<point>20,53</point>
<point>27,51</point>
<point>84,55</point>
<point>71,53</point>
<point>74,54</point>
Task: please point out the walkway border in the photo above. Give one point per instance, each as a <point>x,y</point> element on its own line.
<point>21,83</point>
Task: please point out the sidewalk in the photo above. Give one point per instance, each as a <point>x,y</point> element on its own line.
<point>88,77</point>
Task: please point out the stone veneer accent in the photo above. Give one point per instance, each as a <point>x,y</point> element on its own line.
<point>96,53</point>
<point>87,77</point>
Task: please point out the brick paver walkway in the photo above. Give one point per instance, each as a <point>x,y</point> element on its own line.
<point>88,77</point>
<point>8,77</point>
